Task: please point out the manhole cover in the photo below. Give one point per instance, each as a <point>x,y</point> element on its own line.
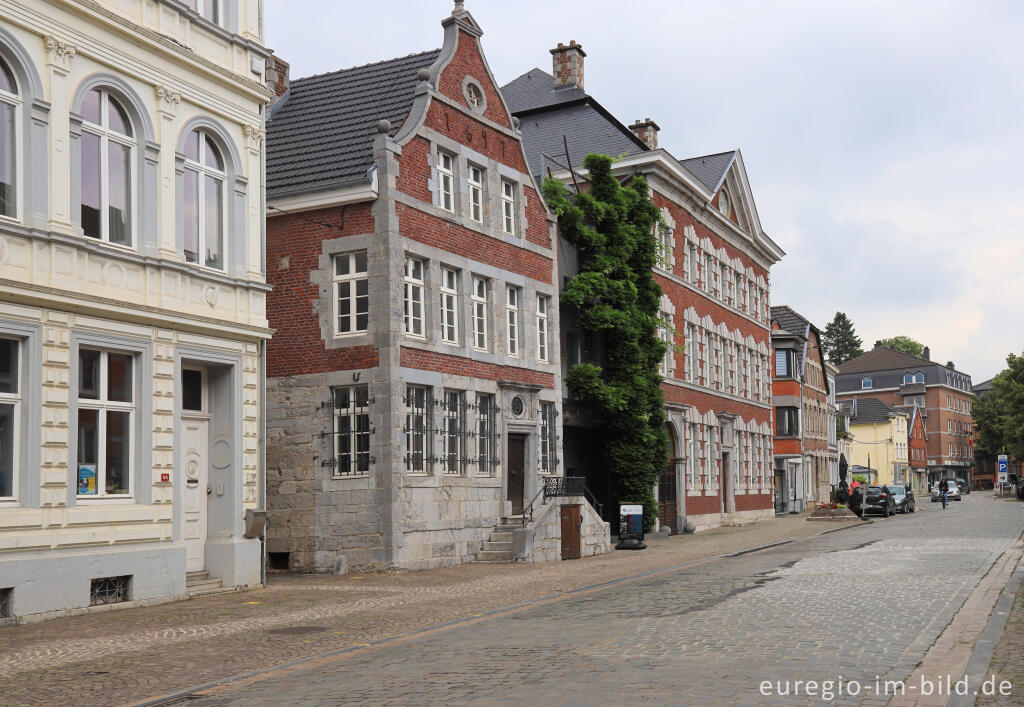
<point>298,629</point>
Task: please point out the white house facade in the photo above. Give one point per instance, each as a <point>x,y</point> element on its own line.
<point>132,300</point>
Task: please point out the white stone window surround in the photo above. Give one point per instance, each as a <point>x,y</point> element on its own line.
<point>543,328</point>
<point>141,450</point>
<point>479,295</point>
<point>199,168</point>
<point>323,277</point>
<point>235,196</point>
<point>509,200</point>
<point>475,180</point>
<point>31,139</point>
<point>349,427</point>
<point>11,423</point>
<point>144,164</point>
<point>26,492</point>
<point>10,141</point>
<point>445,167</point>
<point>351,295</point>
<point>107,138</point>
<point>413,297</point>
<point>667,333</point>
<point>226,24</point>
<point>106,410</point>
<point>513,297</point>
<point>665,242</point>
<point>449,298</point>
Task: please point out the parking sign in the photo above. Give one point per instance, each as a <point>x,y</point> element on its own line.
<point>1003,467</point>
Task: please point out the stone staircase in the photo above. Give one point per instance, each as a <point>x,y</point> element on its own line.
<point>199,583</point>
<point>499,547</point>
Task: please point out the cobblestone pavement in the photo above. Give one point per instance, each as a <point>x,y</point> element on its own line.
<point>859,607</point>
<point>118,657</point>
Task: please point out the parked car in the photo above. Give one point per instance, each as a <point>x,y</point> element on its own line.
<point>953,494</point>
<point>963,485</point>
<point>872,498</point>
<point>903,497</point>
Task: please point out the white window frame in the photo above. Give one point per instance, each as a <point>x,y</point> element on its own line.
<point>666,333</point>
<point>13,100</point>
<point>413,297</point>
<point>508,207</point>
<point>446,181</point>
<point>475,180</point>
<point>204,172</point>
<point>543,307</point>
<point>353,412</point>
<point>106,136</point>
<point>353,278</point>
<point>15,400</point>
<point>102,405</point>
<point>200,8</point>
<point>866,380</point>
<point>512,298</point>
<point>478,299</point>
<point>449,306</point>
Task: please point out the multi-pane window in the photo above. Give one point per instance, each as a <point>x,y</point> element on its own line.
<point>209,9</point>
<point>107,147</point>
<point>351,293</point>
<point>445,180</point>
<point>418,403</point>
<point>478,299</point>
<point>737,298</point>
<point>548,438</point>
<point>454,432</point>
<point>351,430</point>
<point>476,193</point>
<point>692,274</point>
<point>10,105</point>
<point>414,297</point>
<point>724,284</point>
<point>543,304</point>
<point>787,421</point>
<point>106,412</point>
<point>10,414</point>
<point>783,363</point>
<point>487,434</point>
<point>512,320</point>
<point>691,456</point>
<point>204,214</point>
<point>508,207</point>
<point>449,306</point>
<point>663,242</point>
<point>666,334</point>
<point>708,277</point>
<point>691,353</point>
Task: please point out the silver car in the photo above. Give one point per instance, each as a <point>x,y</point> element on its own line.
<point>953,494</point>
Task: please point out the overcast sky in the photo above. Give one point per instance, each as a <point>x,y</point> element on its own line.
<point>883,140</point>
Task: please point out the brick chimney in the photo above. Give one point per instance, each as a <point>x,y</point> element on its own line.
<point>878,344</point>
<point>646,130</point>
<point>927,354</point>
<point>567,65</point>
<point>277,76</point>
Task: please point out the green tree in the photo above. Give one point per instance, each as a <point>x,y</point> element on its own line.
<point>840,341</point>
<point>904,344</point>
<point>999,414</point>
<point>612,226</point>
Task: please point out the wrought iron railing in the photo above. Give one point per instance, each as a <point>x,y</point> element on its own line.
<point>560,486</point>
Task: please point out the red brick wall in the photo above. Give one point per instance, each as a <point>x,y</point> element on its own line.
<point>460,366</point>
<point>468,60</point>
<point>414,169</point>
<point>441,233</point>
<point>297,347</point>
<point>708,401</point>
<point>917,441</point>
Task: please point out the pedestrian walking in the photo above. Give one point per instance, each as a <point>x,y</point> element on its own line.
<point>943,490</point>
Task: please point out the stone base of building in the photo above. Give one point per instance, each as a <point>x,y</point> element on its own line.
<point>544,544</point>
<point>707,521</point>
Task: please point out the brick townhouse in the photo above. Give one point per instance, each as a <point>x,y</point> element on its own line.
<point>413,382</point>
<point>713,268</point>
<point>803,456</point>
<point>942,394</point>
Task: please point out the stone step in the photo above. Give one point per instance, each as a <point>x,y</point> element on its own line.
<point>497,546</point>
<point>202,586</point>
<point>494,556</point>
<point>196,576</point>
<point>502,537</point>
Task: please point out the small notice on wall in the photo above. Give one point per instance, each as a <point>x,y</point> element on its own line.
<point>86,479</point>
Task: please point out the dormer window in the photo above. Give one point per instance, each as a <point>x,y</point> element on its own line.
<point>865,382</point>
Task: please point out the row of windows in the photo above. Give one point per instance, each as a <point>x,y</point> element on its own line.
<point>750,467</point>
<point>719,363</point>
<point>960,451</point>
<point>917,454</point>
<point>958,405</point>
<point>958,427</point>
<point>107,165</point>
<point>715,277</point>
<point>477,205</point>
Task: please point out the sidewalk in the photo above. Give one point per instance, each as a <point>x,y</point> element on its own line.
<point>124,656</point>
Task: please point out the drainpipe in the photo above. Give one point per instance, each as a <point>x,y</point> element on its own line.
<point>261,474</point>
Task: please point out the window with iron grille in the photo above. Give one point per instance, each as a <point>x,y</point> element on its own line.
<point>419,401</point>
<point>109,590</point>
<point>6,596</point>
<point>449,306</point>
<point>351,425</point>
<point>548,438</point>
<point>487,434</point>
<point>453,433</point>
<point>352,294</point>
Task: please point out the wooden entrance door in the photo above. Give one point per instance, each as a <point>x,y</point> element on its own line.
<point>516,472</point>
<point>571,538</point>
<point>667,511</point>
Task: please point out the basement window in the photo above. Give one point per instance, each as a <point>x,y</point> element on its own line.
<point>278,561</point>
<point>6,602</point>
<point>109,590</point>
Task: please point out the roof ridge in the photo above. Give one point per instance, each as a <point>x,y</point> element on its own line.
<point>364,66</point>
<point>711,154</point>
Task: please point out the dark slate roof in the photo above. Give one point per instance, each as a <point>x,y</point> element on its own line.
<point>983,387</point>
<point>791,321</point>
<point>882,358</point>
<point>321,136</point>
<point>871,410</point>
<point>536,89</point>
<point>709,169</point>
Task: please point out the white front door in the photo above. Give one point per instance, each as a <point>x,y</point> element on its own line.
<point>195,491</point>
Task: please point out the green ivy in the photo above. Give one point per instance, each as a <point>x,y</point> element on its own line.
<point>612,226</point>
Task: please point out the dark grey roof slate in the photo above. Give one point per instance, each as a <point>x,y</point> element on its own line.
<point>709,169</point>
<point>791,321</point>
<point>322,135</point>
<point>586,130</point>
<point>872,410</point>
<point>535,89</point>
<point>882,358</point>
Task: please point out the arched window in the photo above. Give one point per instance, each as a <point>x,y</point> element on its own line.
<point>10,103</point>
<point>908,378</point>
<point>919,378</point>
<point>108,147</point>
<point>203,201</point>
<point>865,382</point>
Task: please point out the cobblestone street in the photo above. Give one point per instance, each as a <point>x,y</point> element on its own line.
<point>694,627</point>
